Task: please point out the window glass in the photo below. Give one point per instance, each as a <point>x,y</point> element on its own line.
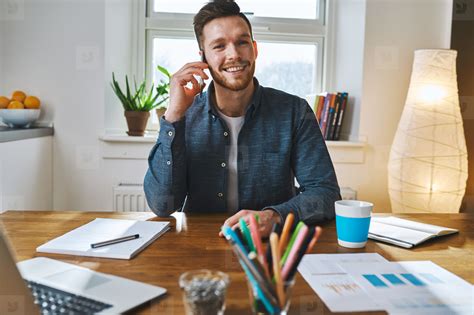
<point>297,9</point>
<point>288,67</point>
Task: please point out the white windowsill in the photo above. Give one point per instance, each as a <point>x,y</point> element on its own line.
<point>121,136</point>
<point>151,136</point>
<point>118,145</point>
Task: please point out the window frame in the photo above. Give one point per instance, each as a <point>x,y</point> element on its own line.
<point>150,25</point>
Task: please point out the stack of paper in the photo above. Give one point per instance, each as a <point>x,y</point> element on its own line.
<point>78,241</point>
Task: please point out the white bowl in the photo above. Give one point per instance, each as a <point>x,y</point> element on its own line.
<point>20,118</point>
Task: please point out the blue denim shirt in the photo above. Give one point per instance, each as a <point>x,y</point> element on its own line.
<point>280,139</point>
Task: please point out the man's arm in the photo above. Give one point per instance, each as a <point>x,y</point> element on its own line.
<point>165,181</point>
<point>313,168</point>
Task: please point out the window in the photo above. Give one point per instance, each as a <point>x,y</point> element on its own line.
<point>298,9</point>
<point>290,36</point>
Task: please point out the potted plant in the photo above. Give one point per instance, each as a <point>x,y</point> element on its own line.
<point>137,105</point>
<point>163,90</point>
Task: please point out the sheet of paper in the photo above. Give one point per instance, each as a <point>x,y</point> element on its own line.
<point>79,240</point>
<point>334,286</point>
<point>420,287</point>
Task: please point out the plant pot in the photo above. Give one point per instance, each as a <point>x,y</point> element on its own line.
<point>160,112</point>
<point>136,122</point>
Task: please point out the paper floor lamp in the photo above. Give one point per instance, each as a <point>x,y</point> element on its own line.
<point>428,160</point>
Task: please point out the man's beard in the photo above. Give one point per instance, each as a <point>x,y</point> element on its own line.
<point>235,85</point>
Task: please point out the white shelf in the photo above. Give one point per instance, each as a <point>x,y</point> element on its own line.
<point>348,144</point>
<point>149,137</point>
<point>118,145</point>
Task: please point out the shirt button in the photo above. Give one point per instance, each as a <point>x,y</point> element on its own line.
<point>170,133</point>
<point>226,133</point>
<point>168,162</point>
<point>220,195</point>
<point>223,164</point>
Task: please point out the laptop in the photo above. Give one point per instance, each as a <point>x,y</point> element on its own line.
<point>49,286</point>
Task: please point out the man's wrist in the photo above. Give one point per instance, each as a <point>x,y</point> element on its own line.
<point>172,116</point>
<point>276,217</point>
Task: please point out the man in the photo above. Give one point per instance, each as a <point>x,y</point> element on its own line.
<point>238,146</point>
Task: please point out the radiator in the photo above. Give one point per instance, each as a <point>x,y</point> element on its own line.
<point>129,197</point>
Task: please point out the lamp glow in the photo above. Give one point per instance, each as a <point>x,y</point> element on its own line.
<point>428,159</point>
<point>431,93</point>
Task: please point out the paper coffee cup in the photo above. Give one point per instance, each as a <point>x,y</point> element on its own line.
<point>352,222</point>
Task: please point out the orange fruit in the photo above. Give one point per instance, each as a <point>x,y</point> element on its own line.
<point>18,96</point>
<point>4,101</point>
<point>16,105</point>
<point>32,102</point>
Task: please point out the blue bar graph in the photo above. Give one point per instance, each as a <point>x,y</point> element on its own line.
<point>431,278</point>
<point>375,281</point>
<point>393,279</point>
<point>412,279</point>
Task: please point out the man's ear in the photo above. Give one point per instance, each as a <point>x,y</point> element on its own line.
<point>255,49</point>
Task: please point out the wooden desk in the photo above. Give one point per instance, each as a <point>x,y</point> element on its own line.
<point>200,247</point>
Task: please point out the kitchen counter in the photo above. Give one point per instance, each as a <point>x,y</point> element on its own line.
<point>13,134</point>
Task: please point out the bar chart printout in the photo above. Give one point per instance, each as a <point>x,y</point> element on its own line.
<point>334,286</point>
<point>421,287</point>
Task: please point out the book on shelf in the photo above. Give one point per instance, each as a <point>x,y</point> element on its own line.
<point>340,115</point>
<point>333,117</point>
<point>319,106</point>
<point>329,109</point>
<point>325,113</point>
<point>404,233</point>
<point>332,110</point>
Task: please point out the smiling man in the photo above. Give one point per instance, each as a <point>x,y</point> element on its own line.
<point>238,147</point>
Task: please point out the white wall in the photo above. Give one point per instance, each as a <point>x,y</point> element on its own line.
<point>56,53</point>
<point>393,30</point>
<point>2,44</point>
<point>118,52</point>
<point>348,27</point>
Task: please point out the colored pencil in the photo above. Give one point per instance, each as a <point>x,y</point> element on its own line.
<point>294,252</point>
<point>301,252</point>
<point>276,268</point>
<point>315,238</point>
<point>285,234</point>
<point>290,244</point>
<point>257,241</point>
<point>246,233</point>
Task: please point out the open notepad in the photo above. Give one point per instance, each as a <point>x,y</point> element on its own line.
<point>404,233</point>
<point>79,240</point>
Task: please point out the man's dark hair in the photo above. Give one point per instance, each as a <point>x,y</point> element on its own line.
<point>216,9</point>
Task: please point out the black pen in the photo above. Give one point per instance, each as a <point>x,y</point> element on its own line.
<point>115,240</point>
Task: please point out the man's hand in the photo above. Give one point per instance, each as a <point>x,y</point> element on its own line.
<point>181,97</point>
<point>266,219</point>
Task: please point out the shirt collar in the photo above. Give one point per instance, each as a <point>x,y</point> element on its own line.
<point>253,106</point>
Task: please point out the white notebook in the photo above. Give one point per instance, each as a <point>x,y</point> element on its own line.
<point>404,233</point>
<point>78,241</point>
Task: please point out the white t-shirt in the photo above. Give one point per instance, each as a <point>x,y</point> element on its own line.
<point>235,125</point>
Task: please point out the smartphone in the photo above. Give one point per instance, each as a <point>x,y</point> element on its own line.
<point>201,81</point>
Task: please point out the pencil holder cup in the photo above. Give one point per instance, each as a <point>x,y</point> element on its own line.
<point>261,304</point>
<point>204,291</point>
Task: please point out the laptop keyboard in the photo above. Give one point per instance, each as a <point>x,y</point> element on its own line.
<point>54,301</point>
